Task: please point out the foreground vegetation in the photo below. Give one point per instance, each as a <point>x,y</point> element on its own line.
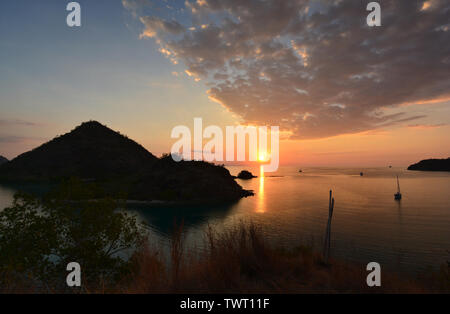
<point>239,260</point>
<point>38,237</point>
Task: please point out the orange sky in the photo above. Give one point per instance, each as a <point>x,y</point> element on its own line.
<point>323,91</point>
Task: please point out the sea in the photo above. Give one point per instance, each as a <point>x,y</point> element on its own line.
<point>292,209</point>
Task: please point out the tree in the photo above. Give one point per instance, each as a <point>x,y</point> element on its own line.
<point>39,237</point>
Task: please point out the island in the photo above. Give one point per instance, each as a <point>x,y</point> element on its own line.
<point>245,175</point>
<point>431,165</point>
<point>117,166</point>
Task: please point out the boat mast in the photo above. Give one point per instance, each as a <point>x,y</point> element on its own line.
<point>398,185</point>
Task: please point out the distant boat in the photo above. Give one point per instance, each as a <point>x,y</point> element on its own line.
<point>361,174</point>
<point>398,195</point>
<point>300,170</point>
<point>390,166</point>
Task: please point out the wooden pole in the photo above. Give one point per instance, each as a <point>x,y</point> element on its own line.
<point>327,242</point>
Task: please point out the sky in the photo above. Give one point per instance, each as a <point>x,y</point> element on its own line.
<point>343,93</point>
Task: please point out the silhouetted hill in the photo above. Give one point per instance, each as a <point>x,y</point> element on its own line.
<point>116,165</point>
<point>186,181</point>
<point>3,160</point>
<point>432,165</point>
<point>90,151</point>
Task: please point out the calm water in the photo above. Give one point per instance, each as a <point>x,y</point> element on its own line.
<point>368,225</point>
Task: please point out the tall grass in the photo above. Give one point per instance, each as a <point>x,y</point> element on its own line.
<point>240,260</point>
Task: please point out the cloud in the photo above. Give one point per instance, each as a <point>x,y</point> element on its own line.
<point>155,25</point>
<point>12,139</point>
<point>427,126</point>
<point>257,55</point>
<point>10,122</point>
<point>136,6</point>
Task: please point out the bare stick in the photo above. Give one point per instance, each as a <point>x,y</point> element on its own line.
<point>327,243</point>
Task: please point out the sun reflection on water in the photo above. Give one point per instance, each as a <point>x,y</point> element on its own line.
<point>261,208</point>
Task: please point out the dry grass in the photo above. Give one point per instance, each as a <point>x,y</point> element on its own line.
<point>240,260</point>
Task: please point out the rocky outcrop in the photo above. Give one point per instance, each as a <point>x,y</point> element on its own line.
<point>245,175</point>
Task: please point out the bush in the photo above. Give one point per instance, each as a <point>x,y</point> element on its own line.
<point>39,238</point>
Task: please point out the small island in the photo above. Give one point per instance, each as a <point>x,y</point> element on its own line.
<point>245,175</point>
<point>431,165</point>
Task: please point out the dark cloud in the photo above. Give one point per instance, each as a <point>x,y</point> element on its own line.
<point>155,25</point>
<point>313,67</point>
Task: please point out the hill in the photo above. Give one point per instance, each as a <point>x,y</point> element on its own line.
<point>116,165</point>
<point>90,151</point>
<point>432,165</point>
<point>186,181</point>
<point>3,160</point>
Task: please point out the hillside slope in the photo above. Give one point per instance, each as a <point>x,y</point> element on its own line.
<point>432,165</point>
<point>90,151</point>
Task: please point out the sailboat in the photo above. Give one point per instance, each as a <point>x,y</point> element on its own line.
<point>398,195</point>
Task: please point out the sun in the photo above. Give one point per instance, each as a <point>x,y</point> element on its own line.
<point>262,157</point>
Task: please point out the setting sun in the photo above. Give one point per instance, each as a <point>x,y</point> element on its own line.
<point>262,157</point>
